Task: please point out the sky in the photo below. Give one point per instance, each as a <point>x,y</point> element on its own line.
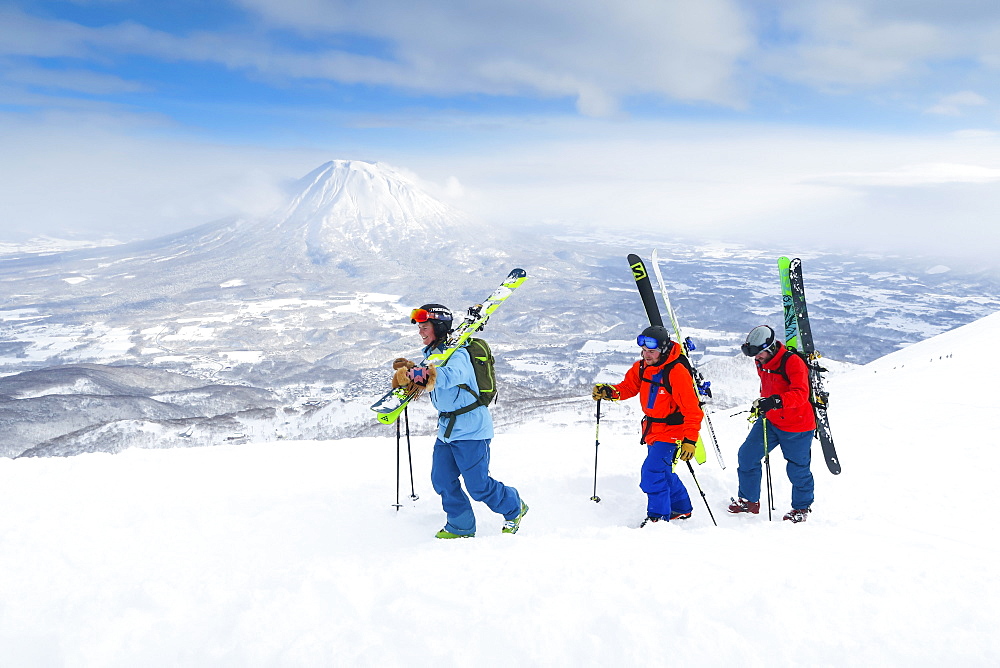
<point>868,122</point>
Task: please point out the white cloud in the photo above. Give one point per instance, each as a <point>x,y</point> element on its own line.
<point>77,80</point>
<point>91,176</point>
<point>952,105</point>
<point>816,188</point>
<point>852,45</point>
<point>594,50</point>
<point>916,175</point>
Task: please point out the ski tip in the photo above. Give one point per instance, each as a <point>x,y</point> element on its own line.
<point>638,268</point>
<point>517,273</point>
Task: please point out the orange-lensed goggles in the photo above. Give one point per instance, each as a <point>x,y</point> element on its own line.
<point>423,315</point>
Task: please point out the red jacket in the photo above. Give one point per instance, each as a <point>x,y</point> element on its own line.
<point>679,404</point>
<point>796,412</point>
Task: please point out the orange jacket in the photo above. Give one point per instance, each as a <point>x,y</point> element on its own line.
<point>672,399</point>
<point>796,412</point>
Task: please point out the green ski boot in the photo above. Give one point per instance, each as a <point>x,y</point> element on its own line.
<point>511,526</point>
<point>444,533</point>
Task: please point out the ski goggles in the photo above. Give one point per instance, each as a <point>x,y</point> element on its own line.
<point>648,342</point>
<point>752,350</point>
<point>423,315</point>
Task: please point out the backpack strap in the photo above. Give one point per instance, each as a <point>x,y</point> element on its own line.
<point>665,372</point>
<point>782,363</point>
<point>452,416</point>
<point>674,418</point>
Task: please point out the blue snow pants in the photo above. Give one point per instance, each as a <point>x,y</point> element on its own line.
<point>665,492</point>
<point>470,460</point>
<point>796,446</point>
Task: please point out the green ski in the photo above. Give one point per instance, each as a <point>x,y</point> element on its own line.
<point>793,298</point>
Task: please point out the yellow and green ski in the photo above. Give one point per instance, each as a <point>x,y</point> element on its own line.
<point>391,405</point>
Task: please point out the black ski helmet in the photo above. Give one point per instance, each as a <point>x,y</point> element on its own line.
<point>659,333</point>
<point>438,315</point>
<point>759,339</point>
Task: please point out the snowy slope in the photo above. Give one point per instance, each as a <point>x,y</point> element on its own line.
<point>291,553</point>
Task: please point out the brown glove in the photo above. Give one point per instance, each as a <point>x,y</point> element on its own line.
<point>685,449</point>
<point>400,362</point>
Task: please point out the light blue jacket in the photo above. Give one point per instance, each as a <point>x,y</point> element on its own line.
<point>448,396</point>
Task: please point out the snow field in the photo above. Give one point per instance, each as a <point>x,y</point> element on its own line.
<point>291,553</point>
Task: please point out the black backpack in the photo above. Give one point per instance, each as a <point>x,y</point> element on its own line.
<point>810,364</point>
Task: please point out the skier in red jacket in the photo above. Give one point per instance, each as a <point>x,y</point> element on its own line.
<point>786,412</point>
<point>672,419</point>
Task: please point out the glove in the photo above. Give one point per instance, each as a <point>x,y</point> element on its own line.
<point>424,376</point>
<point>401,362</point>
<point>765,404</point>
<point>401,377</point>
<point>400,366</point>
<point>604,391</point>
<point>685,449</point>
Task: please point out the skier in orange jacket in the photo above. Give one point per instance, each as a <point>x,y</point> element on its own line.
<point>672,419</point>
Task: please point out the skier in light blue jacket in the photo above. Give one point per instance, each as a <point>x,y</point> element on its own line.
<point>465,430</point>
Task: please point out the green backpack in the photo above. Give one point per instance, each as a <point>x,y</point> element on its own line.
<point>482,364</point>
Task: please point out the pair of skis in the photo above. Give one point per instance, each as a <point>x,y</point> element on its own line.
<point>798,336</point>
<point>701,386</point>
<point>391,405</point>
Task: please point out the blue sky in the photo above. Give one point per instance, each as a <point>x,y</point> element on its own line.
<point>874,118</point>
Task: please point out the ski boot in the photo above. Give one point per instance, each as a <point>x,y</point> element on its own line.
<point>797,515</point>
<point>741,505</point>
<point>444,533</point>
<point>511,526</point>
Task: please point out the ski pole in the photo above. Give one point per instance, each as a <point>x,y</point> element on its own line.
<point>409,453</point>
<point>397,505</point>
<point>767,467</point>
<point>597,443</point>
<point>703,497</point>
<point>715,441</point>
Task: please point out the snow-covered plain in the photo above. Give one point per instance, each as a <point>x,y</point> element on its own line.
<point>292,554</point>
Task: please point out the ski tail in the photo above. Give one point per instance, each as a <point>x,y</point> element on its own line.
<point>645,287</point>
<point>791,326</point>
<point>805,339</point>
<point>701,386</point>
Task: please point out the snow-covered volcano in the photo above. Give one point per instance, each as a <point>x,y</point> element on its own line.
<point>365,207</point>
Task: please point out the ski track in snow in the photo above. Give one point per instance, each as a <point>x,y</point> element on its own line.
<point>291,553</point>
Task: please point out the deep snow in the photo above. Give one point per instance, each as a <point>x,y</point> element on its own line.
<point>290,553</point>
